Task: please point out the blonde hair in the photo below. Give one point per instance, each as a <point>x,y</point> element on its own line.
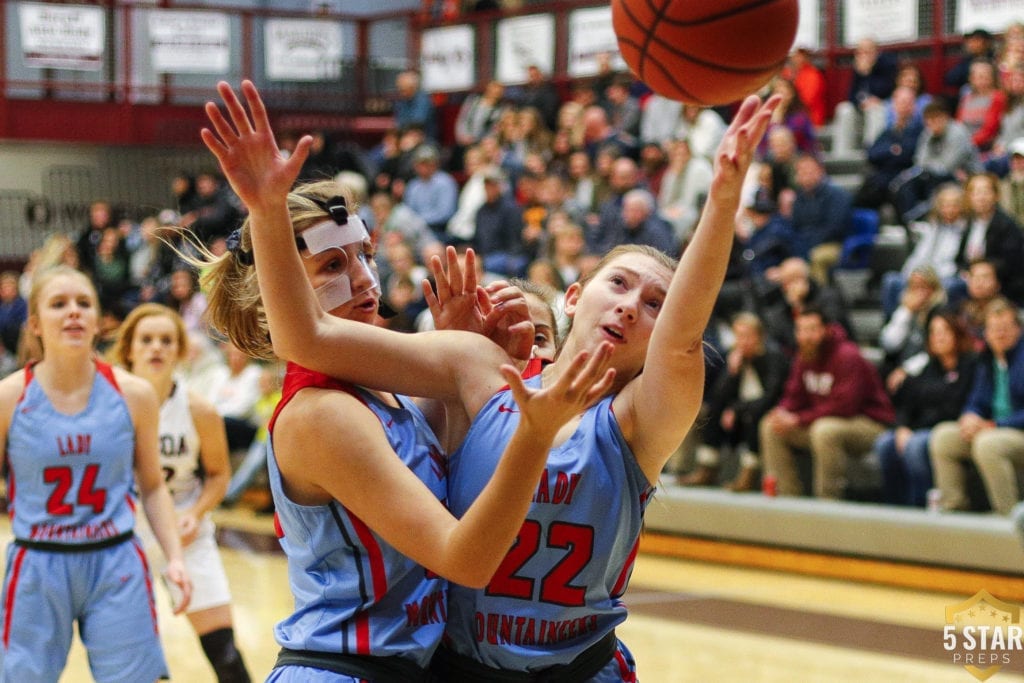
<point>623,249</point>
<point>544,294</point>
<point>234,305</point>
<point>120,350</point>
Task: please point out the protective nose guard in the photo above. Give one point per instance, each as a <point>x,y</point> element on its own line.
<point>332,235</point>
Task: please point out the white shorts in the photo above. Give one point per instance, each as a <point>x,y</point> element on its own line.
<point>203,563</point>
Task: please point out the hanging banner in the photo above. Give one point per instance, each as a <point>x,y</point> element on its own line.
<point>302,50</point>
<point>448,58</point>
<point>590,36</point>
<point>189,42</point>
<point>523,41</point>
<point>884,21</point>
<point>992,15</point>
<point>62,36</point>
<point>808,32</point>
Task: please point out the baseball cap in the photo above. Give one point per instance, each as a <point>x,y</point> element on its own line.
<point>425,153</point>
<point>1016,147</point>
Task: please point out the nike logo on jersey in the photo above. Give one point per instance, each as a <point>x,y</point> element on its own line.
<point>505,409</point>
<point>390,422</point>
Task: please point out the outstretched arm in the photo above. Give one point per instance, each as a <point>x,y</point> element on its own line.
<point>363,471</point>
<point>437,365</point>
<point>658,407</point>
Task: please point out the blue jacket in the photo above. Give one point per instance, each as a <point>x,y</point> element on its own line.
<point>821,215</point>
<point>979,401</point>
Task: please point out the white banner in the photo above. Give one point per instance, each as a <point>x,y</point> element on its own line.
<point>807,28</point>
<point>523,41</point>
<point>590,35</point>
<point>448,58</point>
<point>884,21</point>
<point>62,36</point>
<point>302,49</point>
<point>993,15</point>
<point>189,42</point>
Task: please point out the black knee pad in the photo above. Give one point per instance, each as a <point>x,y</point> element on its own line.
<point>225,658</point>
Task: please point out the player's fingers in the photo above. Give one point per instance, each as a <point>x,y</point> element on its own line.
<point>260,120</point>
<point>594,368</point>
<point>469,274</point>
<point>440,279</point>
<point>213,143</point>
<point>455,279</point>
<point>600,387</point>
<point>234,106</point>
<point>432,303</point>
<point>298,157</point>
<point>515,383</point>
<point>220,124</point>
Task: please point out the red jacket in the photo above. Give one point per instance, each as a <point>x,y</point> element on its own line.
<point>840,382</point>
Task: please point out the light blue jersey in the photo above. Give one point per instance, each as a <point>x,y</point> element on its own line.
<point>354,593</point>
<point>558,590</point>
<point>71,477</point>
<point>75,558</point>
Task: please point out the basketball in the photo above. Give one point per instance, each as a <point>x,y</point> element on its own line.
<point>705,52</point>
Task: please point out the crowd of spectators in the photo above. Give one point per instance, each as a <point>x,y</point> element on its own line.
<point>539,185</point>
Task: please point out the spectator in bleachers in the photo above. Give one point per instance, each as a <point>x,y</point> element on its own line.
<point>703,128</point>
<point>1011,188</point>
<point>582,181</point>
<point>755,373</point>
<point>944,154</point>
<point>809,82</point>
<point>217,211</point>
<point>908,76</point>
<point>623,109</point>
<point>183,189</point>
<point>981,107</point>
<point>983,287</point>
<point>791,113</point>
<point>780,159</point>
<point>598,135</point>
<point>57,249</point>
<point>1011,54</point>
<point>150,265</point>
<point>498,239</point>
<point>991,234</point>
<point>990,430</point>
<point>684,187</point>
<point>566,246</point>
<point>602,180</point>
<point>321,164</point>
<point>937,244</point>
<point>891,153</point>
<point>433,194</point>
<point>653,164</point>
<point>234,389</point>
<point>905,333</point>
<point>659,119</point>
<point>624,176</point>
<point>534,134</point>
<point>764,237</point>
<point>111,273</point>
<point>789,291</point>
<point>384,157</point>
<point>639,223</point>
<point>101,217</point>
<point>538,92</point>
<point>570,121</point>
<point>478,114</point>
<point>977,46</point>
<point>1011,126</point>
<point>471,196</point>
<point>833,405</point>
<point>413,106</point>
<point>13,314</point>
<point>398,223</point>
<point>874,78</point>
<point>183,296</point>
<point>932,394</point>
<point>821,215</point>
<point>402,286</point>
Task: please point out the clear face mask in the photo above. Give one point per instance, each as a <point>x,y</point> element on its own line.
<point>332,235</point>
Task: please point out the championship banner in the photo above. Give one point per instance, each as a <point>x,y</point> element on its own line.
<point>808,33</point>
<point>992,15</point>
<point>189,42</point>
<point>302,50</point>
<point>884,21</point>
<point>62,36</point>
<point>590,35</point>
<point>523,41</point>
<point>448,58</point>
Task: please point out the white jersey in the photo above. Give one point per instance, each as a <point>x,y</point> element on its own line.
<point>179,447</point>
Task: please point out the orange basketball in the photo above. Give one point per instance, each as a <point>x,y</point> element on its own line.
<point>705,51</point>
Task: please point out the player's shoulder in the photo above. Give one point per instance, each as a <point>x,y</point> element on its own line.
<point>135,390</point>
<point>324,412</point>
<point>11,387</point>
<point>201,407</point>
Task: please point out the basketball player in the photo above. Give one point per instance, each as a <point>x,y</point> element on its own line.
<point>76,435</point>
<point>194,459</point>
<point>552,606</point>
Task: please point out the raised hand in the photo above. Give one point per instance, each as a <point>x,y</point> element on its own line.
<point>456,301</point>
<point>247,151</point>
<point>584,382</point>
<point>736,150</point>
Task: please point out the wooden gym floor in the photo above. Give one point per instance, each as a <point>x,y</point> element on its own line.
<point>690,621</point>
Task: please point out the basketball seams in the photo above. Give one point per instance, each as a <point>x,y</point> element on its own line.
<point>711,18</point>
